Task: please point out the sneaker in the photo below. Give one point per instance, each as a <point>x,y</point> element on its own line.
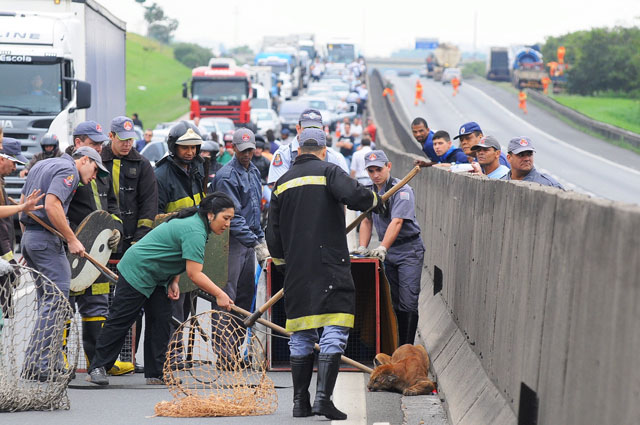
<point>121,368</point>
<point>161,381</point>
<point>137,368</point>
<point>98,376</point>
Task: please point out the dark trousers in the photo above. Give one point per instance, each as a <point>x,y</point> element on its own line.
<point>125,308</point>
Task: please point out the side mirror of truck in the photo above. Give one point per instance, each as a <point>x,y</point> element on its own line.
<point>184,90</point>
<point>83,95</point>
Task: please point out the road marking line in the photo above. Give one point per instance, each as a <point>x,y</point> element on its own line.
<point>555,139</point>
<point>349,396</point>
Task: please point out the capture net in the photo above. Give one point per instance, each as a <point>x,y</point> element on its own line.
<point>37,358</point>
<point>215,367</point>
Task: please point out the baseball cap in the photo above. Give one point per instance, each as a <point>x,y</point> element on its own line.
<point>91,129</point>
<point>12,150</point>
<point>310,118</point>
<point>467,128</point>
<point>244,139</point>
<point>312,137</point>
<point>94,155</point>
<point>487,142</point>
<point>123,127</point>
<point>375,158</point>
<point>520,144</point>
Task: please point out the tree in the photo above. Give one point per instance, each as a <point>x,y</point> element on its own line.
<point>191,55</point>
<point>160,27</point>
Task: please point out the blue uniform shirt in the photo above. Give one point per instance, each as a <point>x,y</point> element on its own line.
<point>499,172</point>
<point>427,148</point>
<point>537,177</point>
<point>244,187</point>
<point>285,155</point>
<point>56,176</point>
<point>401,205</point>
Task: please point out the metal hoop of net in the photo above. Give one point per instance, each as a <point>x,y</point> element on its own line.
<point>38,341</point>
<point>214,369</point>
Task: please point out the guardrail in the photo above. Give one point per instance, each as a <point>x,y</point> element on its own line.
<point>607,130</point>
<point>530,295</point>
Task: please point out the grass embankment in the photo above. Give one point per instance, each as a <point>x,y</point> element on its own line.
<point>623,113</point>
<point>151,64</point>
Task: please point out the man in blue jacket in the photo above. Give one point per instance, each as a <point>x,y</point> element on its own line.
<point>446,153</point>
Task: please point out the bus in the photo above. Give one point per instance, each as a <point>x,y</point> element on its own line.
<point>342,51</point>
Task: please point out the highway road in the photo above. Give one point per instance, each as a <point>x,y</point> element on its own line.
<point>577,160</point>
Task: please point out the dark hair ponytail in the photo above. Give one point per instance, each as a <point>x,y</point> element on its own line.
<point>213,203</point>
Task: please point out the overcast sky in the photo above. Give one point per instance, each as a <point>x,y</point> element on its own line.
<point>381,27</point>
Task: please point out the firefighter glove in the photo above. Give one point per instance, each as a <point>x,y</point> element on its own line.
<point>262,252</point>
<point>362,251</point>
<point>114,240</point>
<point>379,252</point>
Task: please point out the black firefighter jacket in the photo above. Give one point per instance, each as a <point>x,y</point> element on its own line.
<point>306,231</point>
<point>134,185</point>
<point>177,187</point>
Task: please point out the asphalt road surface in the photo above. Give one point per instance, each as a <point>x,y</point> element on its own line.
<point>580,162</point>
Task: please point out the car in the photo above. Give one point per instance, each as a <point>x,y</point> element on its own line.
<point>449,73</point>
<point>220,125</point>
<point>155,151</point>
<point>323,106</point>
<point>266,119</point>
<point>290,111</point>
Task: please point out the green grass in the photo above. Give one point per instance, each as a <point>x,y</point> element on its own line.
<point>152,65</point>
<point>623,113</point>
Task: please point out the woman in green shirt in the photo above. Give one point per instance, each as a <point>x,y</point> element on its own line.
<point>149,274</point>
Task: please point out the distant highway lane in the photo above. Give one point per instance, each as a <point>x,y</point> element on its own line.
<point>579,161</point>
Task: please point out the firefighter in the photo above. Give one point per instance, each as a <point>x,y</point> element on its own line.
<point>306,237</point>
<point>522,97</point>
<point>181,184</point>
<point>93,302</point>
<point>455,82</point>
<point>419,91</point>
<point>50,149</point>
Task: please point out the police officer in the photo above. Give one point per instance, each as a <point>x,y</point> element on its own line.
<point>287,153</point>
<point>44,251</point>
<point>306,236</point>
<point>50,149</point>
<point>520,156</point>
<point>401,248</point>
<point>181,176</point>
<point>240,179</point>
<point>93,302</point>
<point>134,182</point>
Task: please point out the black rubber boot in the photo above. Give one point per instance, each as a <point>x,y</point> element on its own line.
<point>301,372</point>
<point>90,332</point>
<point>328,367</point>
<point>412,325</point>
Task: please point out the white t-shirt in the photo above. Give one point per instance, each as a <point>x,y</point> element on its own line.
<point>357,165</point>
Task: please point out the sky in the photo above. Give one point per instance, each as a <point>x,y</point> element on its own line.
<point>382,27</point>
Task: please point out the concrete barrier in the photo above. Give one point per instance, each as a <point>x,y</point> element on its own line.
<point>607,130</point>
<point>530,296</point>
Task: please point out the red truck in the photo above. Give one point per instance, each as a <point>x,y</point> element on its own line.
<point>223,91</point>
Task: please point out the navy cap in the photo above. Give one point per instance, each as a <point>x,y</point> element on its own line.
<point>468,128</point>
<point>520,144</point>
<point>487,142</point>
<point>12,150</point>
<point>95,156</point>
<point>91,129</point>
<point>123,127</point>
<point>244,139</point>
<point>312,137</point>
<point>310,118</point>
<point>375,158</point>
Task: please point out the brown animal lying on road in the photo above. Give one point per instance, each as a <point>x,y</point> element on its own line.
<point>405,372</point>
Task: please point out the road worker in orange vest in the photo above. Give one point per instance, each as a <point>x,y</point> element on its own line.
<point>522,97</point>
<point>419,91</point>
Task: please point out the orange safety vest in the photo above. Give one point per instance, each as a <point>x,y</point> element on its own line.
<point>522,96</point>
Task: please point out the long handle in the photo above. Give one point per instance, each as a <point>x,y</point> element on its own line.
<point>283,331</point>
<point>251,319</point>
<point>385,197</point>
<point>105,271</point>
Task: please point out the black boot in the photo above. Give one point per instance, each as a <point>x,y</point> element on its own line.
<point>412,325</point>
<point>301,372</point>
<point>328,367</point>
<point>91,327</point>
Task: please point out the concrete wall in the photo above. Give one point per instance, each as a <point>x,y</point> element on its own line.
<point>539,287</point>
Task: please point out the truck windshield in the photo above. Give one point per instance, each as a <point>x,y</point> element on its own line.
<point>30,89</point>
<point>341,53</point>
<point>277,68</point>
<point>220,90</point>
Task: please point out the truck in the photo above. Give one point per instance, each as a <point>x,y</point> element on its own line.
<point>446,56</point>
<point>342,50</point>
<point>498,64</point>
<point>61,63</point>
<point>219,90</point>
<point>528,69</point>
